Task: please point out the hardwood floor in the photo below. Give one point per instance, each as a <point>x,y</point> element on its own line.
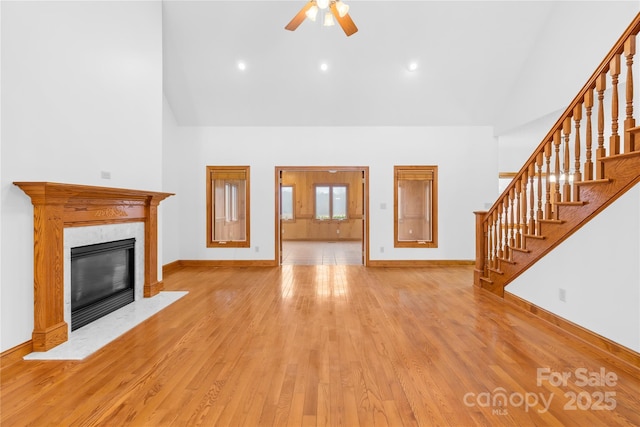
<point>329,345</point>
<point>297,252</point>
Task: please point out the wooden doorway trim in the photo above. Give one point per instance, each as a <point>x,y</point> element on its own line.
<point>365,204</point>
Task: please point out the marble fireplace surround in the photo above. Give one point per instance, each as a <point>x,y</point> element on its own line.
<point>80,236</point>
<point>57,206</point>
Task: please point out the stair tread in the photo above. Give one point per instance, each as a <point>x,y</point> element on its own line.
<point>521,250</point>
<point>508,261</point>
<point>495,270</point>
<point>594,182</point>
<point>621,156</point>
<point>486,279</point>
<point>579,203</point>
<point>534,236</point>
<point>551,221</point>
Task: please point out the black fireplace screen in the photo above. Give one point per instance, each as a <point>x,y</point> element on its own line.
<point>102,280</point>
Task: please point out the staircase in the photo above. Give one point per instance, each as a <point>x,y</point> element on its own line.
<point>582,165</point>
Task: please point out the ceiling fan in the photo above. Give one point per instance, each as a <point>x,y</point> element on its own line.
<point>337,8</point>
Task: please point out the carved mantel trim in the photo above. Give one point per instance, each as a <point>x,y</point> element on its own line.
<point>56,206</point>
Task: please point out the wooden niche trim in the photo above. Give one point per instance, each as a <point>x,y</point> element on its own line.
<point>56,206</point>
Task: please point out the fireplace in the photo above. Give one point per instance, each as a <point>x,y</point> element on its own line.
<point>102,280</point>
<point>59,208</point>
<point>94,236</point>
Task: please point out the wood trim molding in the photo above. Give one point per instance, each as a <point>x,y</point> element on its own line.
<point>611,347</point>
<point>420,263</point>
<point>413,173</point>
<point>228,263</point>
<point>171,267</point>
<point>56,206</point>
<point>15,354</point>
<point>320,240</point>
<point>176,265</point>
<point>364,170</point>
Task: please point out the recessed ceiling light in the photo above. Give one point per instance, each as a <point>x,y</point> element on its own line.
<point>242,65</point>
<point>324,66</point>
<point>413,66</point>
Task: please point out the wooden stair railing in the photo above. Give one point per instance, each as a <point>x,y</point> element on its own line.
<point>558,190</point>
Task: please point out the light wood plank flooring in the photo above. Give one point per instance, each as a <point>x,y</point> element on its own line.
<point>328,346</point>
<point>296,252</point>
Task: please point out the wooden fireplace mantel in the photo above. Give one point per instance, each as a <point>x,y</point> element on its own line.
<point>56,206</point>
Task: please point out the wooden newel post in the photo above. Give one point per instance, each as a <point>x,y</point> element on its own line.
<point>481,247</point>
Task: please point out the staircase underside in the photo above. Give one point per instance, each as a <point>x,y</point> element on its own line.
<point>622,172</point>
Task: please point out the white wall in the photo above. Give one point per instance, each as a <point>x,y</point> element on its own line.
<point>170,226</point>
<point>466,157</point>
<point>516,146</point>
<point>81,94</point>
<point>1,196</point>
<point>552,77</point>
<point>598,269</point>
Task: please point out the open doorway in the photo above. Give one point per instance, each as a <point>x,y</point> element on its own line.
<point>322,215</point>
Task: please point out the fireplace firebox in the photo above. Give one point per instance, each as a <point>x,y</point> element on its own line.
<point>102,280</point>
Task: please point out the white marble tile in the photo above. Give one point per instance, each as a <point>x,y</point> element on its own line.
<point>90,338</point>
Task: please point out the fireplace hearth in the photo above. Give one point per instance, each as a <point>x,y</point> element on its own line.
<point>102,280</point>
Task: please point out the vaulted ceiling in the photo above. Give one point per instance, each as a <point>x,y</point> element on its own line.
<point>496,63</point>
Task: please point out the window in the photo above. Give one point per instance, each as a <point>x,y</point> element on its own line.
<point>286,201</point>
<point>230,202</point>
<point>228,206</point>
<point>331,202</point>
<point>416,206</point>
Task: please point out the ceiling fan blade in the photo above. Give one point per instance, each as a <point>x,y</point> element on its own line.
<point>297,20</point>
<point>347,24</point>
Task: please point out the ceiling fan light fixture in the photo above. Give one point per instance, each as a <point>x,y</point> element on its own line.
<point>337,11</point>
<point>328,20</point>
<point>343,8</point>
<point>312,13</point>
